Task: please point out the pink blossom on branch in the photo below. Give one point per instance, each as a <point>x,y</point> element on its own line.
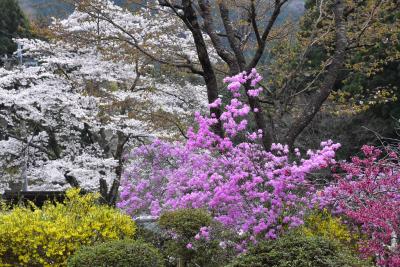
<point>369,195</point>
<point>246,188</point>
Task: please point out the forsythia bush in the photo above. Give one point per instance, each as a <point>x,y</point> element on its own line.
<point>325,225</point>
<point>30,236</point>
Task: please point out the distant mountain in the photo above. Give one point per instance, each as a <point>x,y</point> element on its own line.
<point>49,8</point>
<point>59,8</point>
<point>294,10</point>
<point>45,8</point>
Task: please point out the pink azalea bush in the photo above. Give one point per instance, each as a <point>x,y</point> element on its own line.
<point>254,192</point>
<point>369,196</point>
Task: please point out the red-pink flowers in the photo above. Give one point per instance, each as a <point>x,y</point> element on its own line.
<point>369,195</point>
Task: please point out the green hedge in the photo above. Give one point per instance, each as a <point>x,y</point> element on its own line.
<point>122,253</point>
<point>185,224</point>
<point>296,250</point>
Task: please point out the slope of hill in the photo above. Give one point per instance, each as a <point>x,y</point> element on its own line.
<point>45,8</point>
<point>59,8</point>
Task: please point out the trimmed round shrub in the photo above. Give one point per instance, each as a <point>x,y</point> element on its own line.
<point>122,253</point>
<point>185,222</point>
<point>298,250</point>
<point>181,246</point>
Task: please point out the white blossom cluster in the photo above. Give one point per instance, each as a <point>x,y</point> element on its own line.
<point>70,114</point>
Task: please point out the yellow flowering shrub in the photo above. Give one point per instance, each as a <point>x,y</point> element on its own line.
<point>323,224</point>
<point>47,236</point>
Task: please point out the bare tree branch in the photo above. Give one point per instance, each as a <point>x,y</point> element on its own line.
<point>330,78</point>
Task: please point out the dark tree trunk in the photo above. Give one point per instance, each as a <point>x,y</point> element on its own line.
<point>113,193</point>
<point>259,116</point>
<point>110,197</point>
<point>237,62</point>
<point>190,19</point>
<point>330,78</point>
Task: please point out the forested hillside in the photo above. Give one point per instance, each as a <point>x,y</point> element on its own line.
<point>62,8</point>
<point>43,8</point>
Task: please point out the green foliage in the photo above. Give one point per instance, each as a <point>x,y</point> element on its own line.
<point>366,93</point>
<point>30,236</point>
<point>371,76</point>
<point>185,222</point>
<point>298,250</point>
<point>182,226</point>
<point>13,24</point>
<point>151,236</point>
<point>121,253</point>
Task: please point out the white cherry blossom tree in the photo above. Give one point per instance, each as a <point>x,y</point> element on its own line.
<point>69,120</point>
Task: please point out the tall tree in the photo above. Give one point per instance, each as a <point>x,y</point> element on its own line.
<point>366,85</point>
<point>72,119</point>
<point>13,24</point>
<point>241,34</point>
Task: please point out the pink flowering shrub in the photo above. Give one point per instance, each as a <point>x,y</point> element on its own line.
<point>254,192</point>
<point>369,195</point>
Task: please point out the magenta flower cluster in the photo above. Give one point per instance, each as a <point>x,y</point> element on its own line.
<point>246,188</point>
<point>203,234</point>
<point>369,196</point>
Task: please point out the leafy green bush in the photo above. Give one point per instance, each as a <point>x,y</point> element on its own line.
<point>185,222</point>
<point>185,243</point>
<point>298,250</point>
<point>151,236</point>
<point>31,236</point>
<point>122,253</point>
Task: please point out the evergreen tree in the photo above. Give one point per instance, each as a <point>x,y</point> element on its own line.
<point>13,24</point>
